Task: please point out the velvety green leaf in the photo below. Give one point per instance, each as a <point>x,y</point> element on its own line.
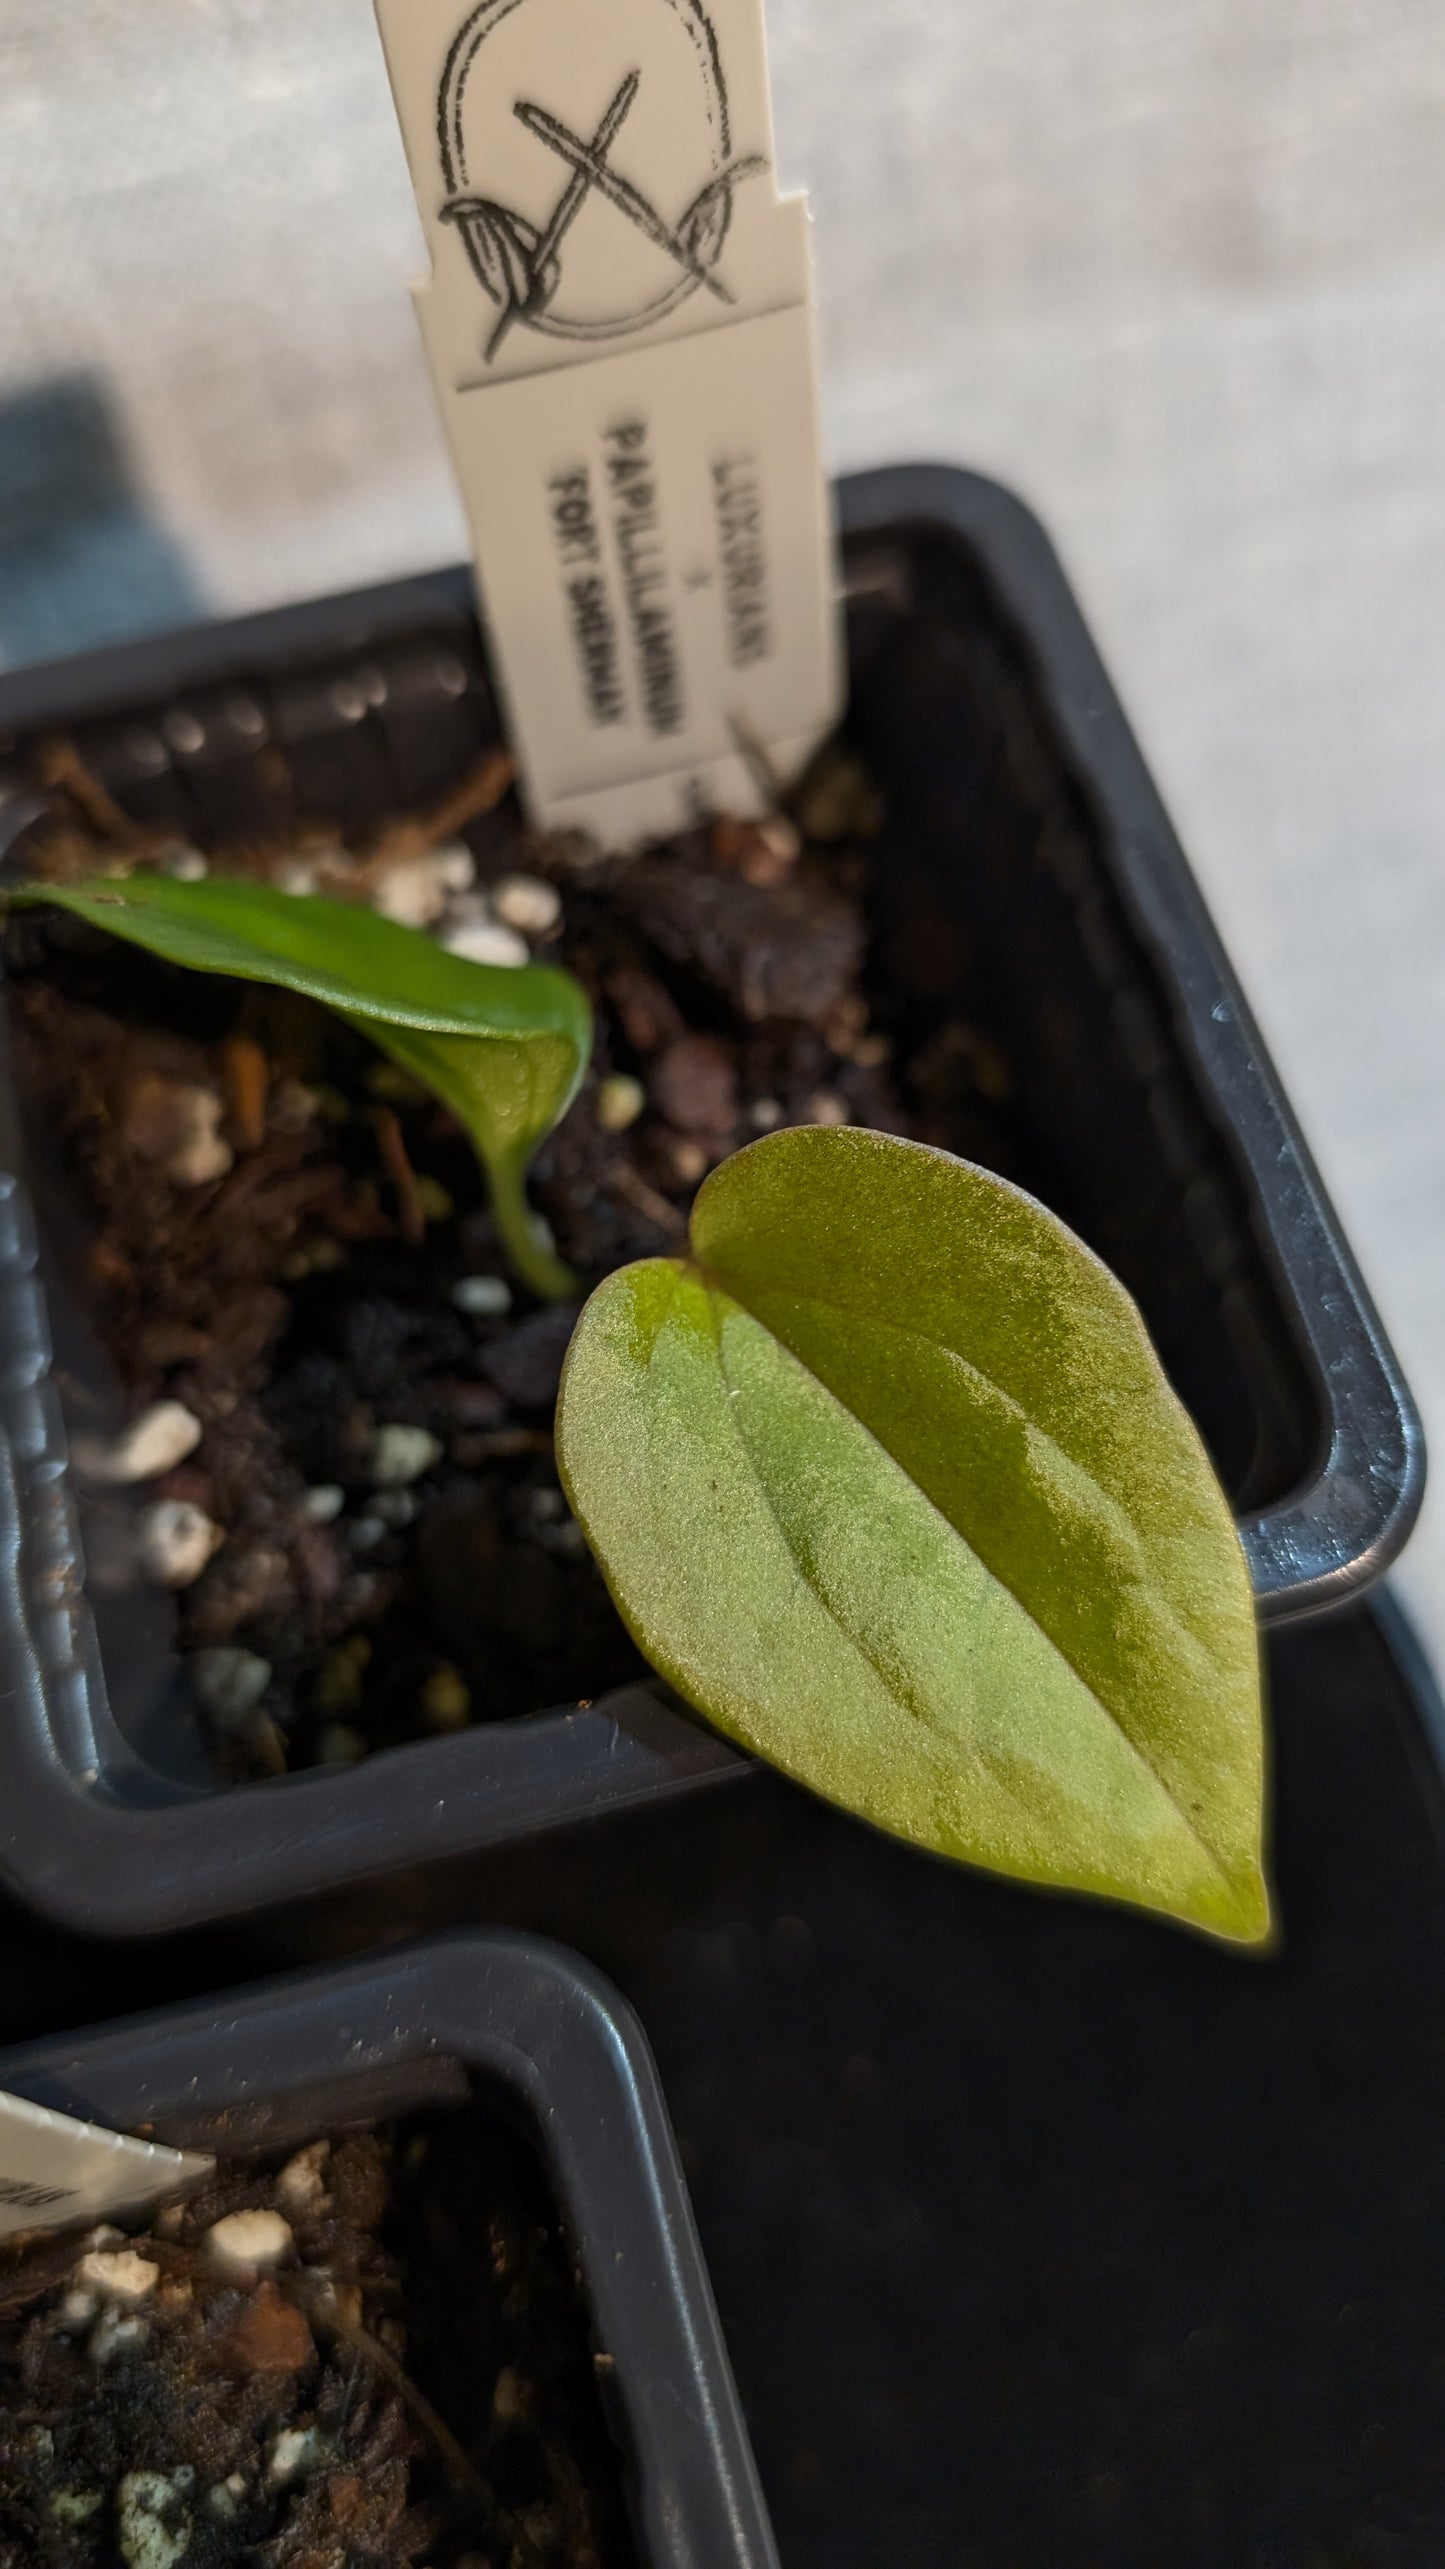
<point>887,1480</point>
<point>505,1048</point>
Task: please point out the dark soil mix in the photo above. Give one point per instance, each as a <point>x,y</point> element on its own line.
<point>288,1239</point>
<point>372,2356</point>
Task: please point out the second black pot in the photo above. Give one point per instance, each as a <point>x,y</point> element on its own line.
<point>267,2069</point>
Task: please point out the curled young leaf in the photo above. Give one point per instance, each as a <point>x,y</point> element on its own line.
<point>886,1478</point>
<point>505,1048</point>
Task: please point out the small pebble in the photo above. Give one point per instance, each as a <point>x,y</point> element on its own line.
<point>76,2506</point>
<point>620,1100</point>
<point>297,876</point>
<point>339,1745</point>
<point>365,1532</point>
<point>122,2276</point>
<point>394,1507</point>
<point>205,1154</point>
<point>689,1161</point>
<point>400,1454</point>
<point>488,941</point>
<point>456,866</point>
<point>116,2333</point>
<point>827,1107</point>
<point>694,1083</point>
<point>482,1297</point>
<point>185,865</point>
<point>176,1124</point>
<point>177,1539</point>
<point>155,1442</point>
<point>201,1154</point>
<point>78,2309</point>
<point>297,2449</point>
<point>250,2242</point>
<point>766,1114</point>
<point>154,2529</point>
<point>323,1503</point>
<point>228,1683</point>
<point>446,1701</point>
<point>523,901</point>
<point>412,893</point>
<point>300,2184</point>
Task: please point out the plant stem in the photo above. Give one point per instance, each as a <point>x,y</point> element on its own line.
<point>527,1245</point>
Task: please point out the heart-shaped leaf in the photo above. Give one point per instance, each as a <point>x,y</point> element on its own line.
<point>504,1047</point>
<point>886,1478</point>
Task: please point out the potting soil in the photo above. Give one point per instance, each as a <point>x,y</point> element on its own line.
<point>277,1232</point>
<point>374,2352</point>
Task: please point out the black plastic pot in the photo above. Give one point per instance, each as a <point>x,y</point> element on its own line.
<point>271,2067</point>
<point>1039,2231</point>
<point>1043,2235</point>
<point>1027,871</point>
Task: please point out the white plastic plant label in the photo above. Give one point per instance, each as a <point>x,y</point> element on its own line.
<point>619,323</point>
<point>55,2172</point>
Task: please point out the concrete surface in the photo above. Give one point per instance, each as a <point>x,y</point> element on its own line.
<point>1175,268</point>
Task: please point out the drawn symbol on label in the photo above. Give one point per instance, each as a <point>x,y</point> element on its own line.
<point>519,262</point>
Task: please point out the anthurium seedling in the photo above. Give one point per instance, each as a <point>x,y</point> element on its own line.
<point>503,1046</point>
<point>887,1480</point>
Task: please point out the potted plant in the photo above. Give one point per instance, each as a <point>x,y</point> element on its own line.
<point>1014,965</point>
<point>364,2331</point>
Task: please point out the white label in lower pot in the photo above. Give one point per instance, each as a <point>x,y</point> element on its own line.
<point>55,2171</point>
<point>619,323</point>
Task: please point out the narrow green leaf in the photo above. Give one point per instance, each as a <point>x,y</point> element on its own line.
<point>886,1478</point>
<point>504,1048</point>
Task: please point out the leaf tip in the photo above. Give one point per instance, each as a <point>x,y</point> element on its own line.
<point>1242,1916</point>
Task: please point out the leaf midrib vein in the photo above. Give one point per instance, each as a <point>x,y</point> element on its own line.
<point>715,1285</point>
<point>855,1642</point>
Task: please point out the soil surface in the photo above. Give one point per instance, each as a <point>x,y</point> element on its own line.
<point>289,1239</point>
<point>372,2356</point>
